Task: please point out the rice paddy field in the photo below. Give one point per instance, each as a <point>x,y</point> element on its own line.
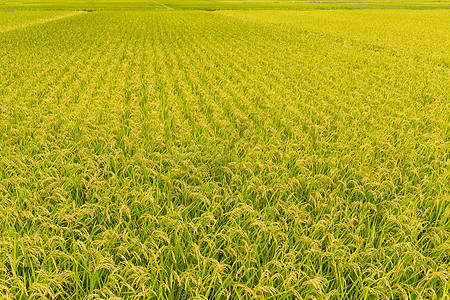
<point>162,152</point>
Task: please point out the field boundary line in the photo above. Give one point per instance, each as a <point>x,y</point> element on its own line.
<point>162,4</point>
<point>41,21</point>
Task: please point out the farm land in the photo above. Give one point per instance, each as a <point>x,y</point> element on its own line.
<point>224,149</point>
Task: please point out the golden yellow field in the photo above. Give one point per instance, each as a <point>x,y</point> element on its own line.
<point>257,154</point>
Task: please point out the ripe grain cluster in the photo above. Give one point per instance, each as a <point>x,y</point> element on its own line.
<point>226,155</point>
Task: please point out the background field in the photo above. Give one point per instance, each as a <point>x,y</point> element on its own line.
<point>220,5</point>
<point>230,154</point>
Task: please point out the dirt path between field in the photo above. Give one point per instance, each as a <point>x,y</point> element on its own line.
<point>41,21</point>
<point>163,5</point>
